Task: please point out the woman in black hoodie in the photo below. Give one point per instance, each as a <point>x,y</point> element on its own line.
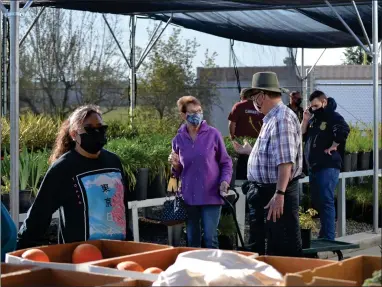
<point>85,183</point>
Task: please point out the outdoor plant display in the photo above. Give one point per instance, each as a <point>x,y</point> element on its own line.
<point>307,225</point>
<point>32,168</point>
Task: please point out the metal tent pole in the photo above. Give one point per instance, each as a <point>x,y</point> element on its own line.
<point>14,17</point>
<point>376,117</point>
<point>132,70</point>
<point>303,79</point>
<point>4,79</point>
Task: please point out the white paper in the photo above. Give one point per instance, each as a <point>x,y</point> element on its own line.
<point>218,268</point>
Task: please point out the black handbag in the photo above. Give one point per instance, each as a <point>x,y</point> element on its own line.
<point>174,209</point>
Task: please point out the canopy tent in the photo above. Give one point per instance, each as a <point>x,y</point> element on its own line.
<point>273,23</point>
<point>287,23</point>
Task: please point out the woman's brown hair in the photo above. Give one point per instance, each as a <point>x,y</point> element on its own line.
<point>64,141</point>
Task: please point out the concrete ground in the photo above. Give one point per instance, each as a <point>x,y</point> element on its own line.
<point>369,245</point>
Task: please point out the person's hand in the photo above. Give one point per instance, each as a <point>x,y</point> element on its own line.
<point>329,150</point>
<point>307,115</point>
<point>276,207</point>
<point>224,186</point>
<point>173,158</point>
<point>242,149</point>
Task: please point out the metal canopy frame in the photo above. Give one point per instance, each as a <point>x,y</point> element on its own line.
<point>14,16</point>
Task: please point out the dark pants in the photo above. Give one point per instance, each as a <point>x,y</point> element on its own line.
<point>241,168</point>
<point>208,216</point>
<point>322,185</point>
<point>283,237</point>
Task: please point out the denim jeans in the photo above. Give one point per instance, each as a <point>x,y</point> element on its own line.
<point>322,185</point>
<point>283,237</point>
<point>208,216</point>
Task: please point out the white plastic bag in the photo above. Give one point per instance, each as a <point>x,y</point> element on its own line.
<point>218,268</point>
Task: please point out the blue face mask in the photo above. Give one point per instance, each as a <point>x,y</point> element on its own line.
<point>195,119</point>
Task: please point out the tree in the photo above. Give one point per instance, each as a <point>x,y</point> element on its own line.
<point>70,59</point>
<point>356,56</point>
<point>168,74</point>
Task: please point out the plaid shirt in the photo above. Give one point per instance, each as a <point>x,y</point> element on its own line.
<point>279,142</point>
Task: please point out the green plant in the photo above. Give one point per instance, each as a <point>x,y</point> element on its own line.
<point>306,219</point>
<point>352,142</point>
<point>227,226</point>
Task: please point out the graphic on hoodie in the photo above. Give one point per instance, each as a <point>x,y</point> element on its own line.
<point>105,204</point>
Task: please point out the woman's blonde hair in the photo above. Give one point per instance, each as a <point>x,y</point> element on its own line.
<point>64,142</point>
<point>183,102</point>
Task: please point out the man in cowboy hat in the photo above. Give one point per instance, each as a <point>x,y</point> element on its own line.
<point>274,167</point>
<point>244,121</point>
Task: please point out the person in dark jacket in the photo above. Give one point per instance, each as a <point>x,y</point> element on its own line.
<point>325,132</point>
<point>8,233</point>
<point>85,183</point>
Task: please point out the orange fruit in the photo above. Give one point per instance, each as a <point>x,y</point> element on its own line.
<point>35,255</point>
<point>153,270</point>
<point>130,266</point>
<point>86,253</point>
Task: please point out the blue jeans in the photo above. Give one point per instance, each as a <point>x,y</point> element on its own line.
<point>322,185</point>
<point>209,216</point>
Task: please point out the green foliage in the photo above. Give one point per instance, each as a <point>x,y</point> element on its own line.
<point>376,280</point>
<point>37,132</point>
<point>227,226</point>
<point>356,56</point>
<point>306,220</point>
<point>168,74</point>
<point>32,167</point>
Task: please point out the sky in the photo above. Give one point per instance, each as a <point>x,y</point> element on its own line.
<point>247,54</point>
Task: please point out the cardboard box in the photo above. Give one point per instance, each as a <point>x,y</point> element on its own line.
<point>7,268</point>
<point>60,255</point>
<point>52,277</point>
<point>350,272</point>
<point>160,258</point>
<point>293,264</point>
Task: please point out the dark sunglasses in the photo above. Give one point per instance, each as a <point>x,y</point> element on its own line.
<point>92,130</point>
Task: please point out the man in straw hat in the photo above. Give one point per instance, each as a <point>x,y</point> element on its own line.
<point>244,121</point>
<point>274,167</point>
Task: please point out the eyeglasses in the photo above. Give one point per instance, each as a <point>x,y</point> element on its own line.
<point>93,130</point>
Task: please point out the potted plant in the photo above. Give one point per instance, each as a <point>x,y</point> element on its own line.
<point>365,145</point>
<point>226,232</point>
<point>307,225</point>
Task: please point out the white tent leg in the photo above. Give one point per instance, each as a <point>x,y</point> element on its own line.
<point>376,116</point>
<point>14,17</point>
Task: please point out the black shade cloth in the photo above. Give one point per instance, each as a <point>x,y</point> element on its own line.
<point>285,23</point>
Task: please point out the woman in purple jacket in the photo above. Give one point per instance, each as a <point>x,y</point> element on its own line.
<point>199,158</point>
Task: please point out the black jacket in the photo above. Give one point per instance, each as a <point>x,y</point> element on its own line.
<point>90,195</point>
<point>322,131</point>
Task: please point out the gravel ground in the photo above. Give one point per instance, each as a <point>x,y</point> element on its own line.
<point>157,233</point>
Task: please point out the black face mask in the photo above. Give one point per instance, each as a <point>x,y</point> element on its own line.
<point>298,102</point>
<point>93,140</point>
<point>317,112</point>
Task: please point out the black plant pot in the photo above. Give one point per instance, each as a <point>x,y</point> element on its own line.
<point>157,187</point>
<point>140,190</point>
<point>380,159</point>
<point>26,200</point>
<point>347,162</point>
<point>354,161</point>
<point>306,238</point>
<point>363,160</point>
<point>225,242</point>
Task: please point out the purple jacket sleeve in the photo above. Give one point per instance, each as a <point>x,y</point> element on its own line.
<point>224,160</point>
<point>175,148</point>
